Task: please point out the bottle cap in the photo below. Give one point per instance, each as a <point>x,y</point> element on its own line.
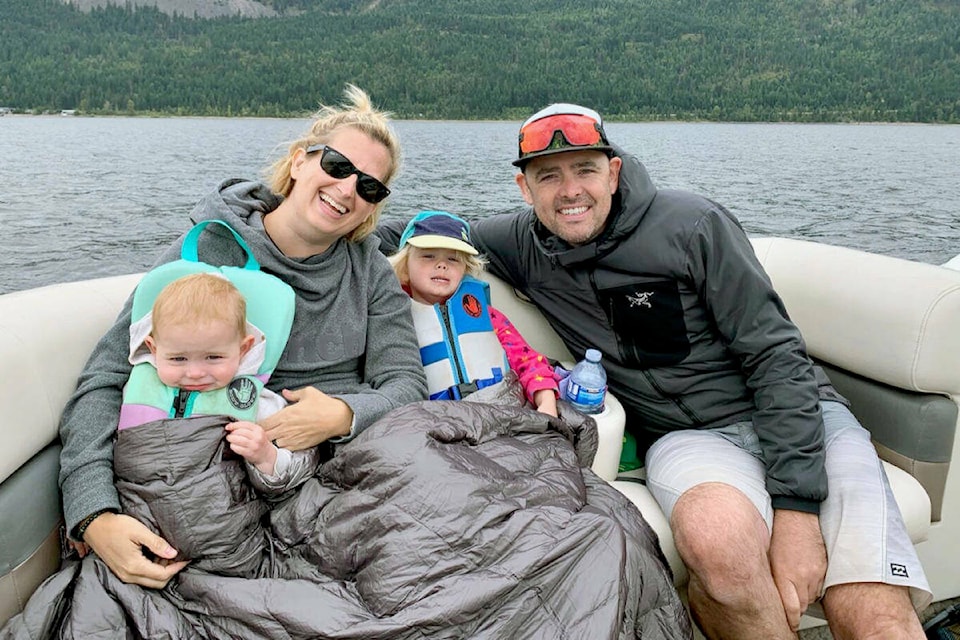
<point>593,355</point>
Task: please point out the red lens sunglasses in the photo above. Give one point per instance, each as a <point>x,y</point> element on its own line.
<point>576,129</point>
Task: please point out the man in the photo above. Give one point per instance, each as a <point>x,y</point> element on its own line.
<point>700,351</point>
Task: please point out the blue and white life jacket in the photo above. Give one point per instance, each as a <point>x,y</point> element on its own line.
<point>270,309</point>
<point>458,346</point>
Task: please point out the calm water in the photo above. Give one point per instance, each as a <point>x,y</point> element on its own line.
<point>84,197</point>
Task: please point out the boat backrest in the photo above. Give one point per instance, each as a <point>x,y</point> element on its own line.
<point>888,332</point>
<point>46,336</point>
<point>527,319</point>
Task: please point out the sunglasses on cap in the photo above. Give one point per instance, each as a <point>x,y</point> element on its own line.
<point>576,130</point>
<point>339,166</point>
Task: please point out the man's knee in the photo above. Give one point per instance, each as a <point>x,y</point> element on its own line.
<point>718,530</point>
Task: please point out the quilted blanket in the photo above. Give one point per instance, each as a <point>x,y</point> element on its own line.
<point>442,520</point>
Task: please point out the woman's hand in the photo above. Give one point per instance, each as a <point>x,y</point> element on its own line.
<point>546,401</point>
<point>119,541</point>
<point>312,418</point>
<point>249,440</point>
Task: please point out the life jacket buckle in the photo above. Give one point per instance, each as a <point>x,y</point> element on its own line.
<point>462,390</point>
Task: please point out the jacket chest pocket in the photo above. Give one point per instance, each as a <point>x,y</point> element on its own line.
<point>648,320</point>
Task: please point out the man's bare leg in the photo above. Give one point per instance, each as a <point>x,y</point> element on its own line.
<point>871,611</point>
<point>723,540</point>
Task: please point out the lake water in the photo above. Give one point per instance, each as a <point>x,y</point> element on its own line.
<point>84,197</point>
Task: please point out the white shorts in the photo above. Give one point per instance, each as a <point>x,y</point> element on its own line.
<point>862,527</point>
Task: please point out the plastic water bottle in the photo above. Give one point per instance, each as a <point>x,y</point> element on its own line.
<point>587,385</point>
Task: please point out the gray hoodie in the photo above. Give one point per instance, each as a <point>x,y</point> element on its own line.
<point>352,338</point>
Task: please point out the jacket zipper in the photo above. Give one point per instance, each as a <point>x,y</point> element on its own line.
<point>458,368</point>
<point>180,403</point>
<point>608,310</point>
<point>675,400</point>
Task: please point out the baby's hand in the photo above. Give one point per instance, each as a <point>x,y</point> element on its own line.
<point>250,441</point>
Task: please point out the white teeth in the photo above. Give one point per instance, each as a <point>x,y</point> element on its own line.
<point>573,212</point>
<point>333,203</point>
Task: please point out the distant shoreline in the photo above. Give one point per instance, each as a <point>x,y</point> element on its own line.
<point>609,119</point>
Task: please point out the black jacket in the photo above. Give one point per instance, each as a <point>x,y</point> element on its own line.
<point>692,332</point>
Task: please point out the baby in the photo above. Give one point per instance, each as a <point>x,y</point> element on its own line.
<point>198,341</point>
<point>196,360</point>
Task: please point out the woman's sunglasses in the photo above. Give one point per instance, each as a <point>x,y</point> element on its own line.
<point>338,166</point>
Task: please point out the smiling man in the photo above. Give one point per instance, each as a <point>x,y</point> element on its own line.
<point>743,431</point>
<point>571,192</point>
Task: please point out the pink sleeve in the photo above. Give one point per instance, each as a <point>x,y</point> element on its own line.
<point>533,369</point>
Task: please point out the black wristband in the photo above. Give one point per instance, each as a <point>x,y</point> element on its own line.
<point>82,527</point>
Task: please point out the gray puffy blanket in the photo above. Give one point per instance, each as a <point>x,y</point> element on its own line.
<point>442,520</point>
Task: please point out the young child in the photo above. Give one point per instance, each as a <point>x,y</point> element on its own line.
<point>199,346</point>
<point>197,372</point>
<point>465,344</point>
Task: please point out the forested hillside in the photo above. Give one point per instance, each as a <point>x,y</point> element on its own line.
<point>802,60</point>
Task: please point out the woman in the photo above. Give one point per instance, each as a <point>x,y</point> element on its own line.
<point>352,353</point>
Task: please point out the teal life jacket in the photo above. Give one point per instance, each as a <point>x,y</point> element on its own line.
<point>270,309</point>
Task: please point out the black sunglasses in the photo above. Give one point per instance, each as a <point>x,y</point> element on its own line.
<point>339,166</point>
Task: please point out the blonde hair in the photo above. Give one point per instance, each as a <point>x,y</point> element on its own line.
<point>357,112</point>
<point>399,261</point>
<point>200,298</point>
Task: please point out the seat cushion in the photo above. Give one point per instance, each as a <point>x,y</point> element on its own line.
<point>913,501</point>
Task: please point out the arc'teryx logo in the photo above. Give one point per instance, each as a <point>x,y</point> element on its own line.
<point>242,393</point>
<point>640,299</point>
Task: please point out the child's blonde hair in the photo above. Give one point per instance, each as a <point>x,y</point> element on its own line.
<point>200,298</point>
<point>357,112</point>
<point>399,262</point>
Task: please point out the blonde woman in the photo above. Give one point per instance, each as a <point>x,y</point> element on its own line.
<point>352,353</point>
